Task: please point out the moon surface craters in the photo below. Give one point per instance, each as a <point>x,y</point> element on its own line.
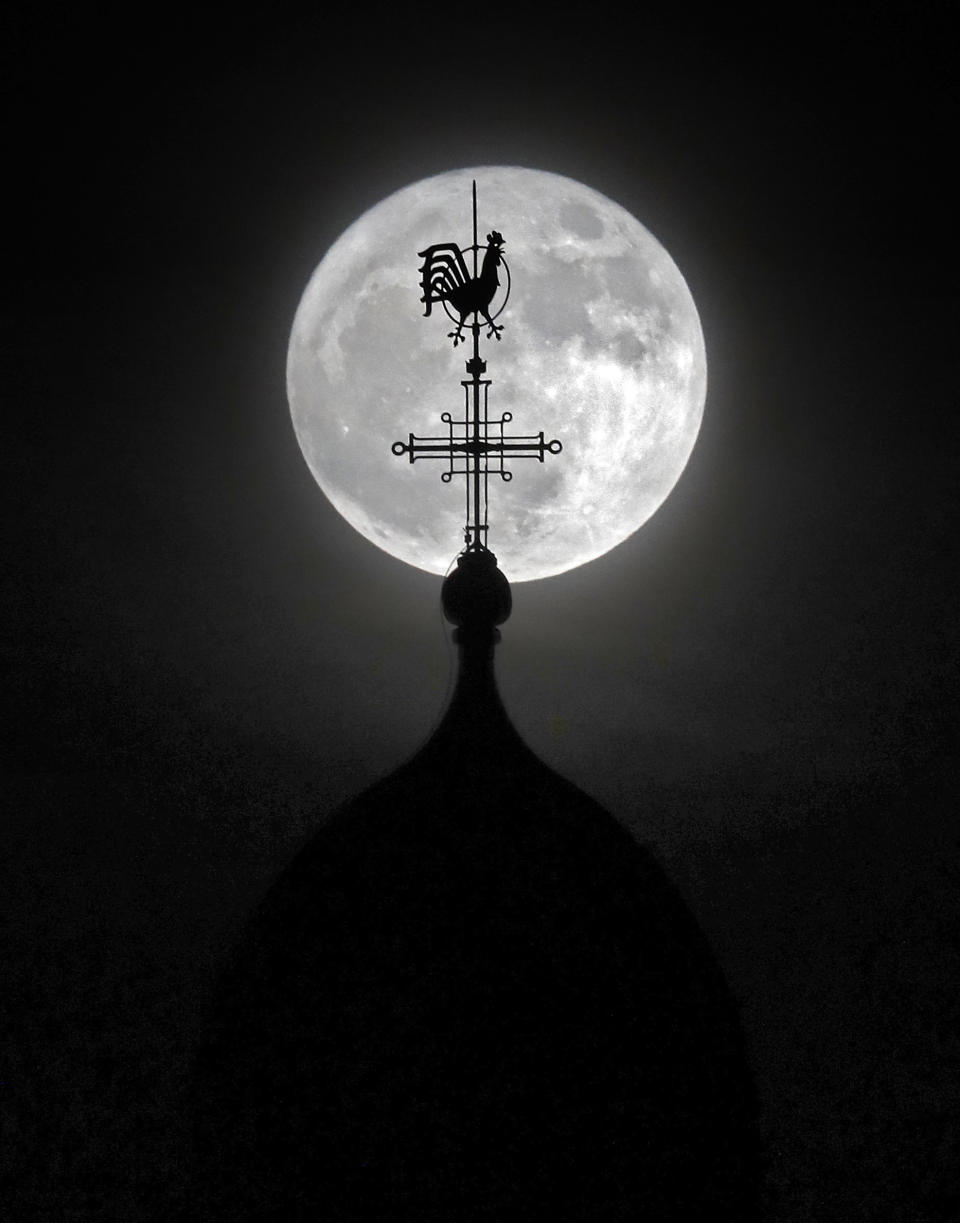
<point>602,348</point>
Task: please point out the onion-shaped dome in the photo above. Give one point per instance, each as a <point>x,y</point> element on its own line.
<point>474,996</point>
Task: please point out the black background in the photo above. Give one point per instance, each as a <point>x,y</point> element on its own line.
<point>205,659</point>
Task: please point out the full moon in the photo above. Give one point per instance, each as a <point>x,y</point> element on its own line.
<point>601,348</point>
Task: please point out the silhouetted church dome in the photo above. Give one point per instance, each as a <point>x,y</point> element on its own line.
<point>474,996</point>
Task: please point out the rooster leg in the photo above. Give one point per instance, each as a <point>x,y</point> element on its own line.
<point>457,335</point>
<point>492,328</point>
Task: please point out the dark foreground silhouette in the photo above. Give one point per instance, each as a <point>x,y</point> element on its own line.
<point>473,997</point>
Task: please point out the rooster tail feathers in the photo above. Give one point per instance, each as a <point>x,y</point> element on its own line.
<point>442,271</point>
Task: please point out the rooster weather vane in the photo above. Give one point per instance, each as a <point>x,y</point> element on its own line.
<point>476,446</point>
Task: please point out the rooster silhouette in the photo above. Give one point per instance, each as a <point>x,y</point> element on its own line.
<point>444,278</point>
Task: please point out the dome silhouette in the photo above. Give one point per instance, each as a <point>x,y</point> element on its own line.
<point>474,996</point>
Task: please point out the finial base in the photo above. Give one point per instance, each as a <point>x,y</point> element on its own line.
<point>476,595</point>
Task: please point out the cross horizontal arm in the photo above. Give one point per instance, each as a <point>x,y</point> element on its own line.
<point>532,447</point>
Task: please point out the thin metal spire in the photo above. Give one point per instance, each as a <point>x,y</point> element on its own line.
<point>475,245</point>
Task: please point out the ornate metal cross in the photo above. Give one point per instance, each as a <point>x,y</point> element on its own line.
<point>476,446</point>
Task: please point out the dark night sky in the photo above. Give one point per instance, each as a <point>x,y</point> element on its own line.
<point>205,659</point>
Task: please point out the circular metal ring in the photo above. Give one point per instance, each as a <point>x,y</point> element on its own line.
<point>503,263</point>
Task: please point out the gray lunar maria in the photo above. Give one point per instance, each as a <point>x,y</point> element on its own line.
<point>602,349</point>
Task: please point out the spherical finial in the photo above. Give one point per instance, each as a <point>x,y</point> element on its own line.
<point>476,595</point>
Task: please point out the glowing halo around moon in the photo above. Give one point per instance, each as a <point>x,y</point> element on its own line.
<point>602,348</point>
